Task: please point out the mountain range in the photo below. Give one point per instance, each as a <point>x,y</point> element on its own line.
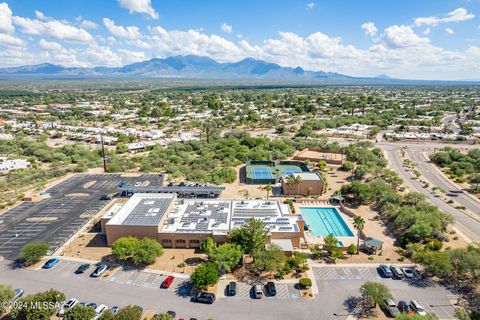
<point>198,67</point>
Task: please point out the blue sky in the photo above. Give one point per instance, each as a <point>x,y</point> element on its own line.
<point>409,39</point>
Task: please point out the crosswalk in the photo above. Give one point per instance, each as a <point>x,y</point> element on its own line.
<point>346,273</point>
<point>150,280</point>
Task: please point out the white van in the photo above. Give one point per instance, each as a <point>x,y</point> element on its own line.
<point>418,308</point>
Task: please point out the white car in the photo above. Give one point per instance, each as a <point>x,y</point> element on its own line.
<point>99,270</point>
<point>137,184</point>
<point>418,308</point>
<point>67,305</point>
<point>408,272</point>
<point>99,310</point>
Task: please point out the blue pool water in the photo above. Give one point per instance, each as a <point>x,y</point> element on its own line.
<point>323,221</point>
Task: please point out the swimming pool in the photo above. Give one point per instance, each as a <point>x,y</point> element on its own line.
<point>323,221</point>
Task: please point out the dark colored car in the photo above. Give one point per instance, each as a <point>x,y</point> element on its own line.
<point>385,271</point>
<point>122,184</point>
<point>271,290</point>
<point>405,308</point>
<point>82,268</point>
<point>168,282</point>
<point>50,263</point>
<point>205,297</point>
<point>105,197</point>
<point>171,313</point>
<point>391,308</point>
<point>232,288</point>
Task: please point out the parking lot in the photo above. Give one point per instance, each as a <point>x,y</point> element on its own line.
<point>434,298</point>
<point>244,291</point>
<point>55,219</point>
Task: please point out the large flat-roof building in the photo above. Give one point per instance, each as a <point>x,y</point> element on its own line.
<point>185,223</point>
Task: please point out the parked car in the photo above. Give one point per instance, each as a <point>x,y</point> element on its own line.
<point>99,271</point>
<point>115,310</point>
<point>397,272</point>
<point>168,282</point>
<point>205,297</point>
<point>408,273</point>
<point>391,308</point>
<point>82,268</point>
<point>232,288</point>
<point>137,184</point>
<point>92,305</point>
<point>122,184</point>
<point>105,197</point>
<point>171,313</point>
<point>271,290</point>
<point>50,263</point>
<point>385,271</point>
<point>418,308</point>
<point>405,308</point>
<point>257,291</point>
<point>18,293</point>
<point>67,305</point>
<point>99,310</point>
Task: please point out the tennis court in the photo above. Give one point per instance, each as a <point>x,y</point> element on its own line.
<point>262,173</point>
<point>289,171</point>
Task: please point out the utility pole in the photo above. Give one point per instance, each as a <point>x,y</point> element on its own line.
<point>103,155</point>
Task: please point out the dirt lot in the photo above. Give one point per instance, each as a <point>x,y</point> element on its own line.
<point>93,246</point>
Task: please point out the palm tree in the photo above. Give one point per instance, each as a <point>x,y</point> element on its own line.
<point>359,225</point>
<point>268,188</point>
<point>293,180</point>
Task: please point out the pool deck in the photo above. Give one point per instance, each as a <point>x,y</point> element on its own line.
<point>311,239</point>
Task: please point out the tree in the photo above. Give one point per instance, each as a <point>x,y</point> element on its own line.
<point>162,316</point>
<point>129,312</point>
<point>147,252</point>
<point>226,256</point>
<point>348,166</point>
<point>322,165</point>
<point>123,248</point>
<point>208,245</point>
<point>49,299</point>
<point>271,260</point>
<point>329,242</point>
<point>107,315</point>
<point>251,236</point>
<point>6,295</point>
<point>79,312</point>
<point>475,180</point>
<point>375,292</point>
<point>205,275</point>
<point>352,249</point>
<point>268,188</point>
<point>359,225</point>
<point>32,253</point>
<point>140,252</point>
<point>121,148</point>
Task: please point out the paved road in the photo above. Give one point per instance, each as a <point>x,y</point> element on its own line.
<point>54,220</point>
<point>449,122</point>
<point>334,291</point>
<point>465,224</point>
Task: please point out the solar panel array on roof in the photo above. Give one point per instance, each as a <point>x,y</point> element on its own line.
<point>148,212</point>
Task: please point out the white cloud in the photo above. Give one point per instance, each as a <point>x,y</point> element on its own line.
<point>54,52</point>
<point>310,5</point>
<point>449,31</point>
<point>427,31</point>
<point>457,15</point>
<point>101,56</point>
<point>52,28</point>
<point>10,41</point>
<point>6,25</point>
<point>129,56</point>
<point>226,28</point>
<point>41,16</point>
<point>140,6</point>
<point>130,32</point>
<point>370,29</point>
<point>402,36</point>
<point>87,24</point>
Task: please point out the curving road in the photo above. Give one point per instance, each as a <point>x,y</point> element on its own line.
<point>466,224</point>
